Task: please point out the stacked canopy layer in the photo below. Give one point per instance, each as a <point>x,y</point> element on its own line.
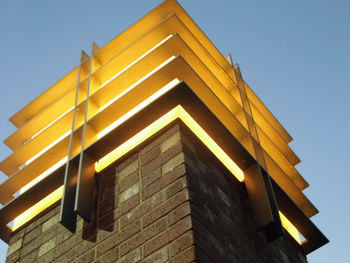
<point>164,65</point>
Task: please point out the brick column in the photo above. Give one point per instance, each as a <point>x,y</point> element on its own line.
<point>169,200</point>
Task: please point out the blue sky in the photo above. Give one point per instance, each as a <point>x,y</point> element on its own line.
<point>294,54</point>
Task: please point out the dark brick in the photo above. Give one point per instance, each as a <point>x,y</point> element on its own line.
<point>151,166</point>
<point>29,258</point>
<point>88,257</point>
<point>179,213</point>
<point>159,256</point>
<point>181,243</point>
<point>127,182</point>
<point>84,246</point>
<point>163,182</point>
<point>142,237</point>
<point>47,258</point>
<point>68,244</point>
<point>176,187</point>
<point>150,155</point>
<point>67,257</point>
<point>50,233</point>
<point>111,256</point>
<point>115,240</point>
<point>125,163</point>
<point>131,257</point>
<point>32,235</point>
<point>42,217</point>
<point>18,234</point>
<point>144,208</point>
<point>161,159</point>
<point>13,257</point>
<point>160,138</point>
<point>167,236</point>
<point>29,247</point>
<point>151,177</point>
<point>165,208</point>
<point>187,256</point>
<point>126,206</point>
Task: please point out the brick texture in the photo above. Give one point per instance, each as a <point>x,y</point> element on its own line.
<point>169,200</point>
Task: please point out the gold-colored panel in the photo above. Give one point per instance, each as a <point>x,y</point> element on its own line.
<point>268,115</point>
<point>178,68</point>
<point>274,136</point>
<point>45,99</point>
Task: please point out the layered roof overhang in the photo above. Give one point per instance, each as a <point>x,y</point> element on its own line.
<point>162,62</point>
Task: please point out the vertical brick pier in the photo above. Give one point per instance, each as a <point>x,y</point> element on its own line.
<point>169,200</point>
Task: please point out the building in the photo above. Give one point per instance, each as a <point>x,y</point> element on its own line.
<point>154,148</point>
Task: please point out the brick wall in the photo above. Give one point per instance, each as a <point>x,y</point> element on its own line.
<point>168,201</point>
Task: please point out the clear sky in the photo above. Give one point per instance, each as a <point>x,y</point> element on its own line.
<point>294,54</point>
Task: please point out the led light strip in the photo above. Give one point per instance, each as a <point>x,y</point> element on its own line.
<point>291,229</point>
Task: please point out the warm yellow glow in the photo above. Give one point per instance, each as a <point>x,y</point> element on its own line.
<point>134,62</point>
<point>57,119</point>
<point>48,147</point>
<point>37,208</point>
<point>290,228</point>
<point>136,83</point>
<point>43,175</point>
<point>139,107</point>
<point>42,204</point>
<point>135,140</point>
<point>177,112</point>
<point>211,144</point>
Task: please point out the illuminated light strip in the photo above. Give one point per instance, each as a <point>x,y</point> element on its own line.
<point>136,83</point>
<point>42,204</point>
<point>47,147</point>
<point>37,208</point>
<point>139,107</point>
<point>134,62</point>
<point>177,112</point>
<point>291,229</point>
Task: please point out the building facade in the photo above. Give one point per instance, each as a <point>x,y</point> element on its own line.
<point>154,149</point>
